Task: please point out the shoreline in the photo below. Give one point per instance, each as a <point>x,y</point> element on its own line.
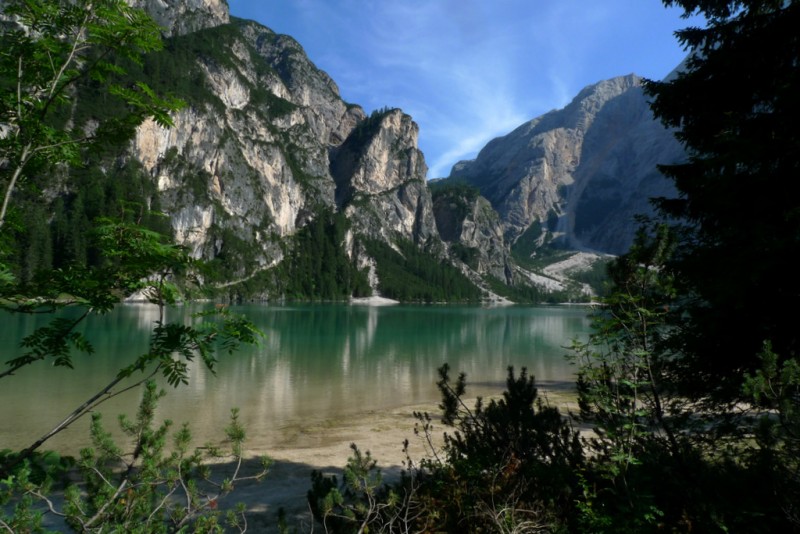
<point>325,447</point>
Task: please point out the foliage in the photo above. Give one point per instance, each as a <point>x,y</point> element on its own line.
<point>532,254</point>
<point>148,489</point>
<point>522,294</point>
<point>658,460</point>
<point>60,235</point>
<point>513,459</point>
<point>509,466</point>
<point>410,274</point>
<point>595,277</point>
<point>468,255</point>
<point>317,266</point>
<point>736,111</point>
<point>622,369</point>
<point>134,260</point>
<point>176,69</point>
<point>461,193</point>
<point>622,385</point>
<point>776,388</point>
<point>47,49</point>
<point>363,502</point>
<point>366,129</point>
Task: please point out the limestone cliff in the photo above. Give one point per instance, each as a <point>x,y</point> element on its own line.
<point>473,231</point>
<point>581,172</point>
<point>380,179</point>
<point>280,185</point>
<point>266,142</point>
<point>247,160</point>
<point>178,17</point>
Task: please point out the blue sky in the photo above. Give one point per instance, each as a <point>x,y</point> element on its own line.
<point>468,71</point>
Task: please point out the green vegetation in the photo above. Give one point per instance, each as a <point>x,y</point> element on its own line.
<point>530,254</point>
<point>59,235</point>
<point>529,251</point>
<point>690,380</point>
<point>510,465</point>
<point>317,267</point>
<point>736,111</point>
<point>595,277</point>
<point>455,190</point>
<point>410,274</point>
<point>366,129</point>
<point>453,202</point>
<point>469,255</point>
<point>146,489</point>
<point>522,294</point>
<point>67,272</point>
<point>176,68</point>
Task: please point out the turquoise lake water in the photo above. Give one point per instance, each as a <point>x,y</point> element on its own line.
<point>317,362</point>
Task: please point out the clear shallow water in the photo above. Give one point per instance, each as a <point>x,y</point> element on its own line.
<point>317,362</point>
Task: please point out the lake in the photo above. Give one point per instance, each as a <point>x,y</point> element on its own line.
<point>317,362</point>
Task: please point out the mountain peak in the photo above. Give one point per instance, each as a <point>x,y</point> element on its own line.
<point>179,17</point>
<point>581,172</point>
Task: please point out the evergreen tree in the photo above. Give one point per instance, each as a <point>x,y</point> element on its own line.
<point>736,109</point>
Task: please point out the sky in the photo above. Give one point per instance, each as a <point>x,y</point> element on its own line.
<point>468,71</point>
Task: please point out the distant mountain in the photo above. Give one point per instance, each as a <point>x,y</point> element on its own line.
<point>578,175</point>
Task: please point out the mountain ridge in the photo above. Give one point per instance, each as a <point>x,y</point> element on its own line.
<point>283,190</point>
<point>541,171</point>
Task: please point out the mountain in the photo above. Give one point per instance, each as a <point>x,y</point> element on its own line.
<point>579,174</point>
<point>284,190</point>
<point>265,145</point>
<point>247,159</point>
<point>185,16</point>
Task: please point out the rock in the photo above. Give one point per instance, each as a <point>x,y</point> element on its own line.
<point>380,179</point>
<point>582,172</point>
<point>179,17</point>
<point>473,231</point>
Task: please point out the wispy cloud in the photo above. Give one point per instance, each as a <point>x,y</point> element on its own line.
<point>470,70</point>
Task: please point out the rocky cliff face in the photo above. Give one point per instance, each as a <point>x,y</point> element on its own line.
<point>179,17</point>
<point>473,231</point>
<point>266,142</point>
<point>247,160</point>
<point>582,172</point>
<point>380,179</point>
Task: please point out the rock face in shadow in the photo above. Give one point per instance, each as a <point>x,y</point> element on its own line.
<point>581,172</point>
<point>473,231</point>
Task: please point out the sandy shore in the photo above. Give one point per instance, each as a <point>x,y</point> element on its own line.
<point>373,301</point>
<point>326,447</point>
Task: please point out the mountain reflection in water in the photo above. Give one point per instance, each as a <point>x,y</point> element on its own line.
<point>317,362</point>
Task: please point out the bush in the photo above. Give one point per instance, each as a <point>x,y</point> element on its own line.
<point>510,466</point>
<point>145,490</point>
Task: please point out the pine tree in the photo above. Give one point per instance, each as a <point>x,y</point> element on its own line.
<point>736,109</point>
